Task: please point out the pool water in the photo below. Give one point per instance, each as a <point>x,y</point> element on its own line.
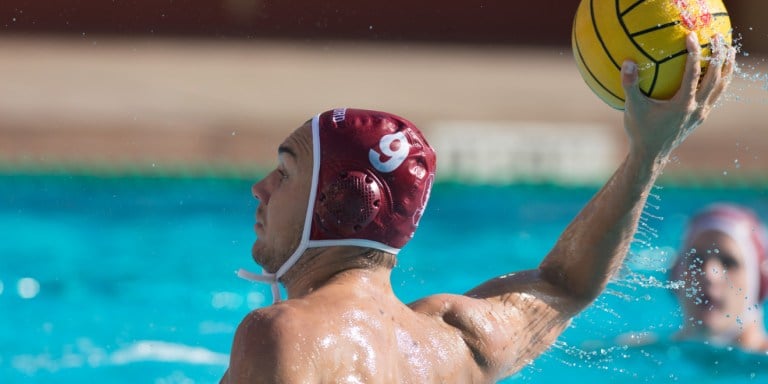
<point>131,279</point>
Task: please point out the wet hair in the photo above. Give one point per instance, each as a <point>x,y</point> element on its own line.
<point>374,258</point>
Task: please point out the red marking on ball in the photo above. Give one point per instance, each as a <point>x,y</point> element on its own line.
<point>694,18</point>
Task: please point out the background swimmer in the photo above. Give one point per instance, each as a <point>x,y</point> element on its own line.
<point>725,273</point>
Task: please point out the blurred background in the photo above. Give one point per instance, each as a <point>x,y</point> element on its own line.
<point>131,130</point>
<point>194,85</point>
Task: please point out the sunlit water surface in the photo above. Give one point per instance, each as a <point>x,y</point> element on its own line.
<point>127,280</point>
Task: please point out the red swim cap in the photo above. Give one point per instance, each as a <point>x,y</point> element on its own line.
<point>375,176</point>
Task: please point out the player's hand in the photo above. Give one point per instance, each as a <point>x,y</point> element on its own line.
<point>656,127</point>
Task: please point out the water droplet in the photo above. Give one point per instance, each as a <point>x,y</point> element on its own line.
<point>28,288</point>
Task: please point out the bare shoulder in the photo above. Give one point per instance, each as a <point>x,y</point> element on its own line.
<point>263,347</point>
<point>473,316</point>
<point>514,297</point>
<point>261,326</point>
<point>485,328</point>
<point>445,305</point>
<point>505,322</point>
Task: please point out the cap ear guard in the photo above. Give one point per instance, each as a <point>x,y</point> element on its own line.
<point>348,204</point>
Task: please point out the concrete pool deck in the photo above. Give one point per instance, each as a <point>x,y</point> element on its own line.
<point>101,102</point>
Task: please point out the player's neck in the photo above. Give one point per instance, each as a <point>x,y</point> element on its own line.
<point>337,265</point>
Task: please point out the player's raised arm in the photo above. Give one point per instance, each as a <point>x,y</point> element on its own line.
<point>594,244</point>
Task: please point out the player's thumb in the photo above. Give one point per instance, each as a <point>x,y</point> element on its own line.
<point>629,80</point>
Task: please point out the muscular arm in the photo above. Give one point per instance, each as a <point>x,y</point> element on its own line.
<point>594,244</point>
<point>541,302</point>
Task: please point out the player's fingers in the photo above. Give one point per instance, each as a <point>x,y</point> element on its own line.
<point>711,80</point>
<point>692,68</point>
<point>725,76</point>
<point>630,82</point>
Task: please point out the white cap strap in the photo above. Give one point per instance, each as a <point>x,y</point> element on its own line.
<point>274,278</point>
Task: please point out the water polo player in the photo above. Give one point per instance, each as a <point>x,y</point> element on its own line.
<point>347,194</point>
<point>724,268</point>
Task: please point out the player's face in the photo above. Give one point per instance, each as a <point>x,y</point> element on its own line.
<point>715,296</point>
<point>283,198</point>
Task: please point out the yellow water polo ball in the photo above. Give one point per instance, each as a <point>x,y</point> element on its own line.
<point>652,33</point>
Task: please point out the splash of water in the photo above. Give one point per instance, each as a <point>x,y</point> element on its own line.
<point>747,75</point>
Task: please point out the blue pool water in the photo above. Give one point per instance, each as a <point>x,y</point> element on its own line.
<point>127,280</point>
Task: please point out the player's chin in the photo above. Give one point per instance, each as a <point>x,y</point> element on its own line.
<point>264,257</point>
<point>258,252</point>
